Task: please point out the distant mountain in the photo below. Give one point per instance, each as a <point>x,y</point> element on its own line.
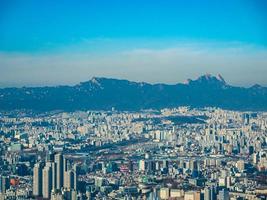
<point>105,93</point>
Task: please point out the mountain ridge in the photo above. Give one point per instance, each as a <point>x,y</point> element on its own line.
<point>102,93</point>
<point>96,78</point>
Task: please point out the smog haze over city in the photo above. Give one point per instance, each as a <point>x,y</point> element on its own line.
<point>131,100</point>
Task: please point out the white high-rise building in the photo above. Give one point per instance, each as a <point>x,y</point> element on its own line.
<point>47,181</point>
<point>37,180</point>
<point>69,180</point>
<point>142,165</point>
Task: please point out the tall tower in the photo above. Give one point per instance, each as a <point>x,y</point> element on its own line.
<point>75,176</point>
<point>69,180</point>
<point>37,180</point>
<point>60,174</point>
<point>47,181</point>
<point>54,175</point>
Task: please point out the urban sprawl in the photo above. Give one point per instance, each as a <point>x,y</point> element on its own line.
<point>173,153</point>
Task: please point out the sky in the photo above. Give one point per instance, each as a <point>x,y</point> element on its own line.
<point>66,42</point>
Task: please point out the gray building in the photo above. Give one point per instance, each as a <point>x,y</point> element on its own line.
<point>59,167</point>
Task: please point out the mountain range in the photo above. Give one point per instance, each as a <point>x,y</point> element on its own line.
<point>107,93</point>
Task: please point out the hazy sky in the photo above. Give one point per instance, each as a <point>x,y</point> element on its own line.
<point>65,42</point>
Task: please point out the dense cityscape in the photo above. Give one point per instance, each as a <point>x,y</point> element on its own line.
<point>173,153</point>
<point>133,100</point>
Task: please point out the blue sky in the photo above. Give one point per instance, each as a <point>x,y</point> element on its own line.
<point>65,42</point>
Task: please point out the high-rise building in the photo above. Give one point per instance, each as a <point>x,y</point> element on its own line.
<point>69,180</point>
<point>223,195</point>
<point>197,195</point>
<point>47,181</point>
<point>54,176</point>
<point>240,165</point>
<point>209,193</point>
<point>75,176</point>
<point>142,165</point>
<point>228,182</point>
<point>60,174</point>
<point>37,179</point>
<point>222,181</point>
<point>165,164</point>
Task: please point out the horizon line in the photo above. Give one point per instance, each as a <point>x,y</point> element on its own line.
<point>185,82</point>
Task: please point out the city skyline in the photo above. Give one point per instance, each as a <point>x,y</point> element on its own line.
<point>133,100</point>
